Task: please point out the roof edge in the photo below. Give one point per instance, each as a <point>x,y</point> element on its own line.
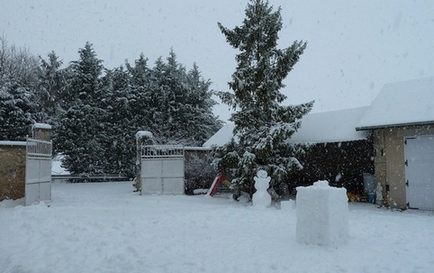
<point>384,126</point>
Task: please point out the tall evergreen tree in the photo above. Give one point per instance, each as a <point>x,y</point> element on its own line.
<point>183,104</point>
<point>82,130</point>
<point>169,79</point>
<point>50,87</point>
<point>200,122</point>
<point>262,125</point>
<point>120,129</point>
<point>141,100</point>
<point>95,117</point>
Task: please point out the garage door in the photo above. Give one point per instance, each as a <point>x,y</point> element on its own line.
<point>419,171</point>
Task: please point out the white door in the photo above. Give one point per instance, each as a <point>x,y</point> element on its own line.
<point>419,171</point>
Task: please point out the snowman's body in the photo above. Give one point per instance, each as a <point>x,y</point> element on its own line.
<point>261,198</point>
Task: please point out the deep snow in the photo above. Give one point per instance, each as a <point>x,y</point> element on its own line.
<point>106,227</point>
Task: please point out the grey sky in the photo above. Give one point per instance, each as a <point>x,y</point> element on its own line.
<point>354,47</point>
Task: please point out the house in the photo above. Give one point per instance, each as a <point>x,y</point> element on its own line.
<point>402,121</point>
<point>332,150</point>
<point>396,130</point>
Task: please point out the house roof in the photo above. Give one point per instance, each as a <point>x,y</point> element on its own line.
<point>400,104</point>
<point>221,137</point>
<point>335,126</point>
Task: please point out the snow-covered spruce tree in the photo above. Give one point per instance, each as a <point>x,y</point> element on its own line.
<point>200,123</point>
<point>128,93</point>
<point>169,90</point>
<point>51,83</point>
<point>262,125</point>
<point>182,104</point>
<point>119,146</point>
<point>81,133</point>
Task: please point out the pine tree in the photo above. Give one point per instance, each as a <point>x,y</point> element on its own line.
<point>169,79</point>
<point>200,121</point>
<point>50,87</point>
<point>82,130</point>
<point>120,117</point>
<point>182,104</point>
<point>141,103</point>
<point>262,125</point>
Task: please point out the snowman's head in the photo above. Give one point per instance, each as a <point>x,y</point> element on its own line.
<point>261,174</point>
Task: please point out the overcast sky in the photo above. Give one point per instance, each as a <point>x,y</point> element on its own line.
<point>354,47</point>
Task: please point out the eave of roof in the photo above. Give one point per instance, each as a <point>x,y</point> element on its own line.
<point>385,126</point>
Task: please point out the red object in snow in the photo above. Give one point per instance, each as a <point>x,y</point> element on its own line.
<point>217,180</point>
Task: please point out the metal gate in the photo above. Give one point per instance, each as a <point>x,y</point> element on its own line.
<point>419,171</point>
<point>38,171</point>
<point>162,169</point>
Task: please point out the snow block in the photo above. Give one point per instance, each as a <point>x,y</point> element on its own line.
<point>287,205</point>
<point>322,215</point>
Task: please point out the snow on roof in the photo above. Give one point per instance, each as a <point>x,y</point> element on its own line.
<point>222,136</point>
<point>401,103</point>
<point>335,126</point>
<point>42,126</point>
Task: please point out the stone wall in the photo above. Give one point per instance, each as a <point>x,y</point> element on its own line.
<point>12,169</point>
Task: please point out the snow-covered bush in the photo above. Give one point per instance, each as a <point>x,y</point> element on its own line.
<point>199,174</point>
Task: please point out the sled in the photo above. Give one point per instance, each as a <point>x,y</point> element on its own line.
<point>220,178</point>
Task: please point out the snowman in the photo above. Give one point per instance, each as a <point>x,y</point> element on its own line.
<point>261,198</point>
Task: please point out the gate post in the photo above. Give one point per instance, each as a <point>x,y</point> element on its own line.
<point>142,138</point>
<point>41,131</point>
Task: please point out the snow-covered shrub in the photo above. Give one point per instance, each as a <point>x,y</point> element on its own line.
<point>199,174</point>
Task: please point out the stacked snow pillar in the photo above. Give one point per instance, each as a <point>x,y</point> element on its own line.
<point>322,215</point>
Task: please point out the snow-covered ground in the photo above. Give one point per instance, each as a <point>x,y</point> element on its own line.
<point>105,227</point>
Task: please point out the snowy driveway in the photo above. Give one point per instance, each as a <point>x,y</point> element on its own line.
<point>105,227</point>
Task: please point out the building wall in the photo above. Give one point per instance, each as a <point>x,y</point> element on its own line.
<point>341,163</point>
<point>12,171</point>
<point>390,162</point>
